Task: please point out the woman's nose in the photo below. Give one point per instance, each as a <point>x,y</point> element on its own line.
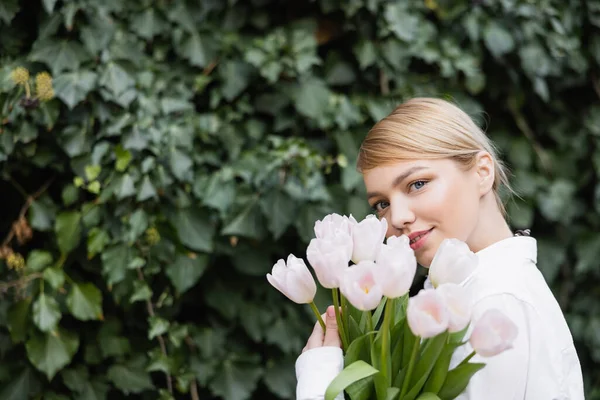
<point>401,216</point>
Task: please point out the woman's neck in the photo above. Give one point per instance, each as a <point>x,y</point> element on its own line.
<point>491,227</point>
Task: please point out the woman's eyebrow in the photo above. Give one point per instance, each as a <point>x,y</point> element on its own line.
<point>398,180</point>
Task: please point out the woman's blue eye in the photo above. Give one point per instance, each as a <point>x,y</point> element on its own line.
<point>418,184</point>
<point>380,206</point>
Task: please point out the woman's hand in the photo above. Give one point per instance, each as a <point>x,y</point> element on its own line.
<point>330,337</point>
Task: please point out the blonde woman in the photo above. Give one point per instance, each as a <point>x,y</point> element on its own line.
<point>433,174</point>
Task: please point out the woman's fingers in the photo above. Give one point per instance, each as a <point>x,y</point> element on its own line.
<point>332,336</point>
<point>316,338</point>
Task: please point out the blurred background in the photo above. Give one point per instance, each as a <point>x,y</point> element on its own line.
<point>157,157</point>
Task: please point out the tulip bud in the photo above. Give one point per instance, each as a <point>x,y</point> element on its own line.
<point>493,333</point>
<point>294,280</point>
<point>338,231</point>
<point>426,314</point>
<point>458,304</point>
<point>368,236</point>
<point>396,267</point>
<point>329,260</point>
<point>453,263</point>
<point>359,286</point>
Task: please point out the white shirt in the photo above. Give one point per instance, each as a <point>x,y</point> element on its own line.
<point>542,365</point>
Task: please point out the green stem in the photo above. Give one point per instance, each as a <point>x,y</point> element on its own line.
<point>345,316</point>
<point>370,326</point>
<point>385,339</point>
<point>411,365</point>
<point>466,360</point>
<point>313,306</point>
<point>338,318</point>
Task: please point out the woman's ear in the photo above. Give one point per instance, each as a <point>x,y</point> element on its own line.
<point>485,168</point>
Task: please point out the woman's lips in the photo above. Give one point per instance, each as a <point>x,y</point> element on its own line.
<point>419,240</point>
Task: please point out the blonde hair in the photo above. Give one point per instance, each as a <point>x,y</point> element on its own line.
<point>429,128</point>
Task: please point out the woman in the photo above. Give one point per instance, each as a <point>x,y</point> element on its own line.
<point>433,174</point>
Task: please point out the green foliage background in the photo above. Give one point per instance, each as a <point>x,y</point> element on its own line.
<point>225,129</point>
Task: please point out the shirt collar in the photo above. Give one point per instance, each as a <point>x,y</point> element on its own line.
<point>513,248</point>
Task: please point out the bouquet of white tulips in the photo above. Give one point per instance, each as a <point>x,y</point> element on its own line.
<point>395,347</point>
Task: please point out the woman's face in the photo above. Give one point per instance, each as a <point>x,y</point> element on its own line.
<point>427,200</point>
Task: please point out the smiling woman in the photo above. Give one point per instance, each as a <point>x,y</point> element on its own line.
<point>433,174</point>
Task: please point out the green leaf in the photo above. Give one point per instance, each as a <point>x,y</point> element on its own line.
<point>68,230</point>
<point>73,87</point>
<point>42,214</point>
<point>114,263</point>
<point>123,158</point>
<point>49,5</point>
<point>116,79</point>
<point>181,164</point>
<point>142,292</point>
<point>21,387</point>
<point>55,277</point>
<point>458,379</point>
<point>46,313</point>
<point>439,372</point>
<point>279,209</point>
<point>129,380</point>
<point>247,223</point>
<point>280,378</point>
<point>428,396</point>
<point>194,228</point>
<point>8,10</point>
<point>158,326</point>
<point>96,241</point>
<point>85,302</point>
<point>312,99</point>
<point>38,260</point>
<point>125,187</point>
<point>392,393</point>
<point>236,77</point>
<point>352,373</point>
<point>18,320</point>
<point>50,352</point>
<point>431,352</point>
<point>498,39</point>
<point>147,190</point>
<point>59,55</point>
<point>186,270</point>
<point>198,50</point>
<point>236,381</point>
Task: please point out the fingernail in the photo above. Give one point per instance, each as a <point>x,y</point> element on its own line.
<point>330,311</point>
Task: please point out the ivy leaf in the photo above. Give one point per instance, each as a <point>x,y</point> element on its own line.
<point>158,326</point>
<point>46,313</point>
<point>55,277</point>
<point>37,260</point>
<point>8,10</point>
<point>194,228</point>
<point>49,353</point>
<point>198,50</point>
<point>73,87</point>
<point>85,302</point>
<point>279,209</point>
<point>68,230</point>
<point>141,292</point>
<point>116,79</point>
<point>18,320</point>
<point>236,381</point>
<point>312,99</point>
<point>235,76</point>
<point>147,190</point>
<point>114,263</point>
<point>498,39</point>
<point>59,55</point>
<point>248,223</point>
<point>42,214</point>
<point>129,380</point>
<point>96,242</point>
<point>280,378</point>
<point>21,387</point>
<point>185,271</point>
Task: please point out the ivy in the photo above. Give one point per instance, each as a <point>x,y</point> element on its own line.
<point>186,146</point>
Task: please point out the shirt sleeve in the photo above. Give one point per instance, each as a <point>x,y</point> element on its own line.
<point>505,375</point>
<point>315,369</point>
